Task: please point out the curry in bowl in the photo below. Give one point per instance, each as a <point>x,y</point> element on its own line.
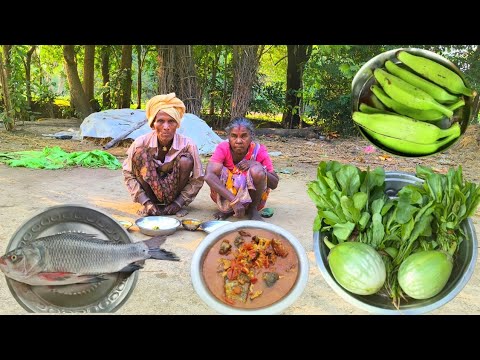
<point>250,268</point>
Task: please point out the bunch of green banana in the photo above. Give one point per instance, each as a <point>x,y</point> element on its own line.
<point>407,94</point>
<point>437,92</point>
<point>404,128</point>
<point>419,89</point>
<point>403,109</point>
<point>435,72</point>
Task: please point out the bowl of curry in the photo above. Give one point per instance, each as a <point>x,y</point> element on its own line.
<point>249,267</point>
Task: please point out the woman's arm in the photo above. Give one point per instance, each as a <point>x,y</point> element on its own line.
<point>212,178</point>
<point>272,180</point>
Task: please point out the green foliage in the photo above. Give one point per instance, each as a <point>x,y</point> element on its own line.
<point>268,98</point>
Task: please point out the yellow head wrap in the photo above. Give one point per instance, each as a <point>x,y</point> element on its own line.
<point>169,103</point>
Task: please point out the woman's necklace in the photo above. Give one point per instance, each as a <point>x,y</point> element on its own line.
<point>164,148</point>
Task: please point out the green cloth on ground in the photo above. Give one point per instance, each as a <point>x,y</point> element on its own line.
<point>57,158</point>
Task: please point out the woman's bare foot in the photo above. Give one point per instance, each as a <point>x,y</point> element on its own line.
<point>219,215</point>
<point>182,212</point>
<point>255,215</point>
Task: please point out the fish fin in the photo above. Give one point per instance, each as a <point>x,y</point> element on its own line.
<point>85,235</point>
<point>155,242</point>
<point>55,276</point>
<point>64,278</point>
<point>162,254</point>
<point>132,267</point>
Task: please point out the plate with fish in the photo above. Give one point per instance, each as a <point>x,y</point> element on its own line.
<point>75,259</point>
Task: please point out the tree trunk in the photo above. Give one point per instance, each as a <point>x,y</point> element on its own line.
<point>8,121</point>
<point>213,84</point>
<point>28,76</point>
<point>139,76</point>
<point>77,95</point>
<point>7,62</point>
<point>245,66</point>
<point>189,91</point>
<point>298,56</point>
<point>224,91</point>
<point>126,78</point>
<point>105,54</point>
<point>89,74</point>
<point>166,76</point>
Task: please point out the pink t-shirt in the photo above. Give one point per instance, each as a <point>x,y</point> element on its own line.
<point>223,155</point>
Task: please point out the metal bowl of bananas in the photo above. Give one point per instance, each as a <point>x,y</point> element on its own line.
<point>412,102</point>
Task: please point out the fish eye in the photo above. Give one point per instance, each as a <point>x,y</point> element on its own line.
<point>13,257</point>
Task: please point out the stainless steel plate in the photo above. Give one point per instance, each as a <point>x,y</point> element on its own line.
<point>212,225</point>
<point>106,296</point>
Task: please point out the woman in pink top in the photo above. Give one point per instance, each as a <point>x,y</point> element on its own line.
<point>240,173</point>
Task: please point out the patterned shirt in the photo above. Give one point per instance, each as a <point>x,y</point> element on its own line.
<point>179,143</point>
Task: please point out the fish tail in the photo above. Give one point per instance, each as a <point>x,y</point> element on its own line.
<point>162,254</point>
<point>155,242</point>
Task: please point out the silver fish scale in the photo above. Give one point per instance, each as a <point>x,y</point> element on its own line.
<point>84,254</point>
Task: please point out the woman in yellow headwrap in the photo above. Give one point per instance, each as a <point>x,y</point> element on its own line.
<point>163,170</point>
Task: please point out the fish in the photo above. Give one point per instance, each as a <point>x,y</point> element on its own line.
<point>72,258</point>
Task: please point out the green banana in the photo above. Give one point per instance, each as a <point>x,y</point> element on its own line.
<point>457,104</point>
<point>438,93</point>
<point>408,147</point>
<point>372,110</point>
<point>402,127</point>
<point>429,115</point>
<point>377,103</point>
<point>435,72</point>
<point>407,94</point>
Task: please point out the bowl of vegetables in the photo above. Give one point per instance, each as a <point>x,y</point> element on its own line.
<point>386,248</point>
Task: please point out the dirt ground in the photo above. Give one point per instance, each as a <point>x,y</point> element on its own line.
<point>165,287</point>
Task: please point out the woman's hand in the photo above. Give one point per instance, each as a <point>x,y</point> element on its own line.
<point>171,209</point>
<point>244,165</point>
<point>238,209</point>
<point>151,209</point>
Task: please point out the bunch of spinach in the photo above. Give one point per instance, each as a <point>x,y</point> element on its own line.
<point>455,200</point>
<point>344,196</point>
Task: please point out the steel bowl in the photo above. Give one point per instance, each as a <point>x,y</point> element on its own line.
<point>463,268</point>
<point>364,79</point>
<point>211,239</point>
<point>157,225</point>
<point>191,224</point>
<point>102,297</point>
<point>126,224</point>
